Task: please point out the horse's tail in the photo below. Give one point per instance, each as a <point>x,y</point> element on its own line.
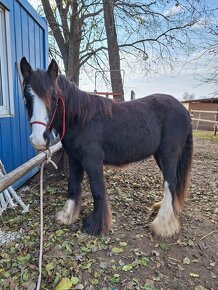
<point>183,174</point>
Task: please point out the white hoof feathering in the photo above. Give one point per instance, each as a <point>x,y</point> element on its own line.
<point>166,223</point>
<point>69,214</point>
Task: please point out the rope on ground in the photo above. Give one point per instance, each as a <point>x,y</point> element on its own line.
<point>48,160</point>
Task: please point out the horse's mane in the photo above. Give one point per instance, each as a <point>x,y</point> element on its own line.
<point>82,105</point>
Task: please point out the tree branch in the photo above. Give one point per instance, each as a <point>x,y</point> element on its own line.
<point>54,26</point>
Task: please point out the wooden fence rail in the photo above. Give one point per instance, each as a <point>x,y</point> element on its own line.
<point>20,171</point>
<point>199,119</point>
<point>208,112</point>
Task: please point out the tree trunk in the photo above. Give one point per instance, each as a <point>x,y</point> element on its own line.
<point>69,41</point>
<point>113,49</point>
<point>73,68</point>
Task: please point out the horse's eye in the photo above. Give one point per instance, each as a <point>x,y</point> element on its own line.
<point>53,97</point>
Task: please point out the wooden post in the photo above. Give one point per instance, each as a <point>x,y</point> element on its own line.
<point>199,117</point>
<point>216,124</point>
<point>20,171</point>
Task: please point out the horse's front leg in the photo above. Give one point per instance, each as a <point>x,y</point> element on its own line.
<point>100,220</point>
<point>71,209</point>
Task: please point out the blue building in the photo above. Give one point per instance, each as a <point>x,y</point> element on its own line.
<point>22,33</point>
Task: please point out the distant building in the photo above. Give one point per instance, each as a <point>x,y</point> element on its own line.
<point>208,104</point>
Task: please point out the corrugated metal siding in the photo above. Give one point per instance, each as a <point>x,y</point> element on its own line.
<point>29,39</point>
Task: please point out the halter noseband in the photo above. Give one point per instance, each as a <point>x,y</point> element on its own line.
<point>52,118</point>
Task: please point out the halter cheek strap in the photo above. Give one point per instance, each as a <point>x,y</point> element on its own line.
<point>52,118</point>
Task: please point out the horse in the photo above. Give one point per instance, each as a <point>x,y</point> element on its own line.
<point>97,131</point>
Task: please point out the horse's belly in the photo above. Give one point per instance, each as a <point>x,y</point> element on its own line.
<point>129,151</point>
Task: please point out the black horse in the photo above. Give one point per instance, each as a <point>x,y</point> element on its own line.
<point>97,131</point>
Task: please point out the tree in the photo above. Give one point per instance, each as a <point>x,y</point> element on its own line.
<point>155,34</point>
<point>187,96</point>
<point>151,36</point>
<point>69,21</point>
<point>113,49</point>
<point>207,58</point>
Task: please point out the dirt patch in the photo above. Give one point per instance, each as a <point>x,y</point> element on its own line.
<point>129,257</point>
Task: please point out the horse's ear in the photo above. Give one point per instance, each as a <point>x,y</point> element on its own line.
<point>53,69</point>
<point>25,68</point>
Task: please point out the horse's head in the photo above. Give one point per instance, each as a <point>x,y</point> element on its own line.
<point>40,94</point>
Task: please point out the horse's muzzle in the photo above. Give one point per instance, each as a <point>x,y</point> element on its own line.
<point>38,147</point>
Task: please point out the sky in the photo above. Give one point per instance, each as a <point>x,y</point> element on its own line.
<point>184,78</point>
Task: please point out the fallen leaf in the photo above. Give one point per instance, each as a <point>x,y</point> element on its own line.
<point>64,284</point>
<point>123,244</point>
<point>186,261</point>
<point>74,280</point>
<point>85,250</point>
<point>86,266</point>
<point>200,287</point>
<point>79,287</point>
<point>164,247</point>
<point>190,243</point>
<point>194,275</point>
<point>117,250</point>
<point>127,267</point>
<point>94,281</point>
<point>49,267</point>
<point>180,268</point>
<point>144,261</point>
<point>115,278</point>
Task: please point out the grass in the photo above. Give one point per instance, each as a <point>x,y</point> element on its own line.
<point>205,135</point>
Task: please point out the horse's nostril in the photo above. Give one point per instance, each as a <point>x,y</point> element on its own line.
<point>46,136</point>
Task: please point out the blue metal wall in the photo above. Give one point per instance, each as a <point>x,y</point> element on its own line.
<point>29,39</point>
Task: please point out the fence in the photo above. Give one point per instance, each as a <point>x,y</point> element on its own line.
<point>199,118</point>
<point>14,175</point>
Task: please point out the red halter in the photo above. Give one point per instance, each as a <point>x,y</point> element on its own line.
<point>52,118</point>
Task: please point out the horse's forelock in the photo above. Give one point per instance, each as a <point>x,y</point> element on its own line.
<point>41,84</point>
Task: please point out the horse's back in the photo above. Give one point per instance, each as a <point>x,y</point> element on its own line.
<point>138,127</point>
<point>132,133</point>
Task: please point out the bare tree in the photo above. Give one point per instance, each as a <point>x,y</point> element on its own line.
<point>187,96</point>
<point>113,49</point>
<point>150,35</point>
<point>207,59</point>
<point>73,24</point>
<point>154,34</point>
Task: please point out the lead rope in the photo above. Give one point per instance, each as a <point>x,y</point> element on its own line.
<point>48,160</point>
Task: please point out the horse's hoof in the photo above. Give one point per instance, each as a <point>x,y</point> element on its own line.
<point>99,222</point>
<point>69,214</point>
<point>165,227</point>
<point>63,218</point>
<point>91,227</point>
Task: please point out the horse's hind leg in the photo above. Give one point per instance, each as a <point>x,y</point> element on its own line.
<point>166,223</point>
<point>157,205</point>
<point>71,209</point>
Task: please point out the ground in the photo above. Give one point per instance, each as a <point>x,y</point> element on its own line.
<point>129,257</point>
